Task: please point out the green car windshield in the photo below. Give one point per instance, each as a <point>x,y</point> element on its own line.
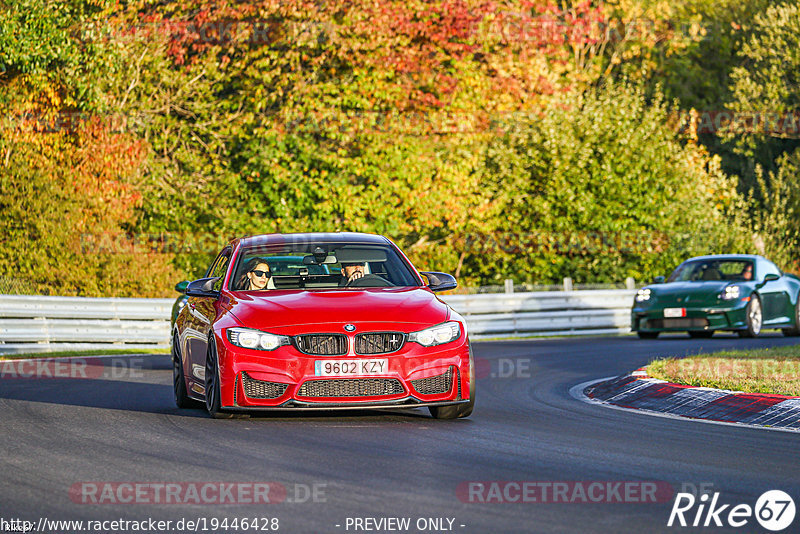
<point>710,270</point>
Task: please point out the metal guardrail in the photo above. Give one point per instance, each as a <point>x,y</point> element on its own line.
<point>547,313</point>
<point>42,324</point>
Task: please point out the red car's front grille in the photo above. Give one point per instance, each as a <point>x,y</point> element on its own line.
<point>351,387</point>
<point>434,385</point>
<point>321,344</point>
<point>379,342</point>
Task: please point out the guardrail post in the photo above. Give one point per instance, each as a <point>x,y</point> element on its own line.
<point>567,284</point>
<point>630,283</point>
<point>509,286</point>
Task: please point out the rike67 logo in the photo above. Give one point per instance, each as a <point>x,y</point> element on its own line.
<point>774,510</point>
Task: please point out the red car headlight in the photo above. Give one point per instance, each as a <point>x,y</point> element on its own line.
<point>437,335</point>
<point>249,338</point>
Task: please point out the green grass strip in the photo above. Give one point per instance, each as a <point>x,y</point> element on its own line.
<point>773,370</point>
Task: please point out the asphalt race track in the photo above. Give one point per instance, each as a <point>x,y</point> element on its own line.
<point>62,433</point>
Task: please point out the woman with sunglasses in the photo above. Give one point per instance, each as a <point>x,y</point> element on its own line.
<point>256,275</point>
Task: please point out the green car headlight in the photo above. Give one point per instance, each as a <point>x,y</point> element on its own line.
<point>730,293</point>
<point>256,339</point>
<point>437,335</point>
<point>643,295</point>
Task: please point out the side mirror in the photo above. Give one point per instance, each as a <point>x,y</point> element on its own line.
<point>771,277</point>
<point>203,287</point>
<point>658,280</point>
<point>440,281</point>
<point>180,287</point>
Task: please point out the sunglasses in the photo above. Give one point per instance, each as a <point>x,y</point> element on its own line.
<point>260,273</point>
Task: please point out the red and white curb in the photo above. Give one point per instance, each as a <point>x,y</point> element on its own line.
<point>639,392</point>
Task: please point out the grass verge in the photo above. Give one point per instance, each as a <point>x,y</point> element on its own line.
<point>79,353</point>
<point>773,370</point>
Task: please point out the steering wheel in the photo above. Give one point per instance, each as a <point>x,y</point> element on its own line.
<point>369,280</point>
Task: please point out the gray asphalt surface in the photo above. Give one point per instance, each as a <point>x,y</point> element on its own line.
<point>123,427</point>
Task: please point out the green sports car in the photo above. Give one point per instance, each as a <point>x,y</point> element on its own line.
<point>738,292</point>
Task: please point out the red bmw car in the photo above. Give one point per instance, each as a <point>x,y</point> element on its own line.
<point>320,321</point>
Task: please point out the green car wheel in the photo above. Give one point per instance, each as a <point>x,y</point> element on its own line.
<point>753,318</point>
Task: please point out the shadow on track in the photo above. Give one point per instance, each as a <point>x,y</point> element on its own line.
<point>141,384</point>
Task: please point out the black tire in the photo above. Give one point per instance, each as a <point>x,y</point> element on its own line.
<point>701,334</point>
<point>647,335</point>
<point>459,410</point>
<point>794,330</point>
<point>182,399</point>
<point>212,383</point>
<point>753,317</point>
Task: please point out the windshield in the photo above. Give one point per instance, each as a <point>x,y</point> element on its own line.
<point>320,266</point>
<point>709,270</point>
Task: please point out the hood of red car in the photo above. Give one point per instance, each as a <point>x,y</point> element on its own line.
<point>291,311</point>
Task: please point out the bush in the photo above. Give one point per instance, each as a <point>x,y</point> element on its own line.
<point>599,187</point>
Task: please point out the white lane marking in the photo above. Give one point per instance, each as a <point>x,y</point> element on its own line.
<point>577,393</point>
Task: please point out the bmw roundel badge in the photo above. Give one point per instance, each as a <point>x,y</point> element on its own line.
<point>350,327</point>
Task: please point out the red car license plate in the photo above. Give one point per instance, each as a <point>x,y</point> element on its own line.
<point>350,367</point>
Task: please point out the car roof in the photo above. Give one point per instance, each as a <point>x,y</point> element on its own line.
<point>727,257</point>
<point>315,237</point>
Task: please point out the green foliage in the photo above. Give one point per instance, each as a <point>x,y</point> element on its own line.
<point>766,83</point>
<point>47,56</point>
<point>687,47</point>
<point>775,210</point>
<point>67,178</point>
<point>65,201</point>
<point>486,138</point>
<point>598,187</point>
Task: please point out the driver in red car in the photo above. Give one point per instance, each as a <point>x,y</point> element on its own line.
<point>351,272</point>
<point>256,275</point>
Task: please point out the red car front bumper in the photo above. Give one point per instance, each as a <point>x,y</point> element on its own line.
<point>286,379</point>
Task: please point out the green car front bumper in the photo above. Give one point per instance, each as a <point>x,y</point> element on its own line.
<point>695,319</point>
